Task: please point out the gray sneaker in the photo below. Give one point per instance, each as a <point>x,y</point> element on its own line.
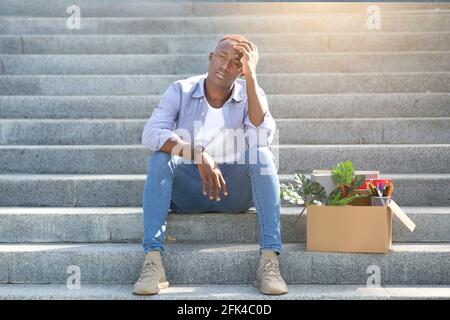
<point>153,276</point>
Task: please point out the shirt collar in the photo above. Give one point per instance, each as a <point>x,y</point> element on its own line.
<point>200,90</point>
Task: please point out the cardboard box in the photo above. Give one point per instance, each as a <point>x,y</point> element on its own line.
<point>360,228</point>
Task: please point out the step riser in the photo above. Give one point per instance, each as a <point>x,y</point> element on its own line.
<point>222,292</point>
<point>134,159</point>
<point>327,131</point>
<point>154,9</point>
<point>302,106</point>
<point>273,84</point>
<point>286,43</point>
<point>197,64</point>
<point>189,228</point>
<point>128,192</point>
<point>182,267</point>
<point>218,25</point>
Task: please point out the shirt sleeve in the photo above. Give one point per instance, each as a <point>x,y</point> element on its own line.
<point>263,134</point>
<point>160,127</point>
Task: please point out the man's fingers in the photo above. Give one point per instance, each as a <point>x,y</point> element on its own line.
<point>249,43</point>
<point>211,188</point>
<point>244,46</point>
<point>204,187</point>
<point>203,182</point>
<point>224,185</point>
<point>217,182</point>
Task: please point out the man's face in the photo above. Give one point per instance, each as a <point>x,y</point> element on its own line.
<point>225,64</point>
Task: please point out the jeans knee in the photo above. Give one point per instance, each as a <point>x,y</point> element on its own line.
<point>260,156</point>
<point>161,163</point>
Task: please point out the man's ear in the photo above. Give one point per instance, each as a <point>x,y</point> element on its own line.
<point>210,56</point>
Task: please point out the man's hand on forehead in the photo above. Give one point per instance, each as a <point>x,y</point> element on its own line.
<point>247,53</point>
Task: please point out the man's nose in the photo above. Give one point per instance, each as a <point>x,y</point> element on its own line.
<point>225,65</point>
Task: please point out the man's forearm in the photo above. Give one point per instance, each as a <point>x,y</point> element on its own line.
<point>178,147</point>
<point>256,108</point>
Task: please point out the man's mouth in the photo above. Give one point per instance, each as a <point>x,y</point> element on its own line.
<point>220,76</point>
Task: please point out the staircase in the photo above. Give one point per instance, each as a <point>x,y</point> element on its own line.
<point>73,104</point>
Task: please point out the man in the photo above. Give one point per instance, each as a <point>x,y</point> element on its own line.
<point>188,173</point>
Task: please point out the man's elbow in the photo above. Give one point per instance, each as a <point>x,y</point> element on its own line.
<point>150,140</point>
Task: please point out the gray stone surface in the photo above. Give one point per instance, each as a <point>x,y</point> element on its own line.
<point>133,159</point>
<point>290,131</point>
<point>4,269</point>
<point>54,225</point>
<point>126,190</point>
<point>364,41</point>
<point>404,105</point>
<point>219,292</point>
<point>232,24</point>
<point>198,63</point>
<point>187,264</point>
<point>126,225</point>
<point>232,292</point>
<point>311,83</point>
<point>57,8</point>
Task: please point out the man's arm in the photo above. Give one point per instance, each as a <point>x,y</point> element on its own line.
<point>258,118</point>
<point>257,107</point>
<point>178,147</point>
<point>209,171</point>
<point>160,127</point>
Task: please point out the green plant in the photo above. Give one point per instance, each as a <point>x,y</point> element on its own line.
<point>308,192</point>
<point>344,176</point>
<point>305,192</point>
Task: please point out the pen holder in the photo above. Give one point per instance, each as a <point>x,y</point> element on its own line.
<point>379,201</point>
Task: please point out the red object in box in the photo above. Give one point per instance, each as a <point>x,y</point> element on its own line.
<point>376,182</point>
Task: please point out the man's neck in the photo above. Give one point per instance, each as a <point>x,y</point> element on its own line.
<point>215,95</point>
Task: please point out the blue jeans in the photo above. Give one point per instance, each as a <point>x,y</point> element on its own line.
<point>175,183</point>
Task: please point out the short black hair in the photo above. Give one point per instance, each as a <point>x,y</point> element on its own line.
<point>235,37</point>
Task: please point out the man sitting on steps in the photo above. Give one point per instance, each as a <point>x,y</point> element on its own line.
<point>188,173</point>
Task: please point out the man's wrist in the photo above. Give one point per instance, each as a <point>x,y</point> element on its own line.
<point>196,151</point>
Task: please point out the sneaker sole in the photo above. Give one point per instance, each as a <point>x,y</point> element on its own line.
<point>258,285</point>
<point>161,285</point>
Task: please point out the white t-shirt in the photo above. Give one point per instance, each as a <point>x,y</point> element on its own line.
<point>214,136</point>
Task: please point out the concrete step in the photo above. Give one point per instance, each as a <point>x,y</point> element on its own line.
<point>28,190</point>
<point>281,106</point>
<point>287,83</point>
<point>89,8</point>
<point>290,131</point>
<point>222,292</point>
<point>133,159</point>
<point>197,63</point>
<point>267,43</point>
<point>37,224</point>
<point>428,21</point>
<point>407,264</point>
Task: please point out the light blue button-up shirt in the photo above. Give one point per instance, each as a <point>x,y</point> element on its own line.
<point>183,104</point>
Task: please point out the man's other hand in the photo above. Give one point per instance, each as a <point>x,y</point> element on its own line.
<point>211,176</point>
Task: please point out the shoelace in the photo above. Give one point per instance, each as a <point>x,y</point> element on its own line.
<point>271,270</point>
<point>149,271</point>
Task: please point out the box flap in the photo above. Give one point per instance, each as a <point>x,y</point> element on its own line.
<point>402,216</point>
